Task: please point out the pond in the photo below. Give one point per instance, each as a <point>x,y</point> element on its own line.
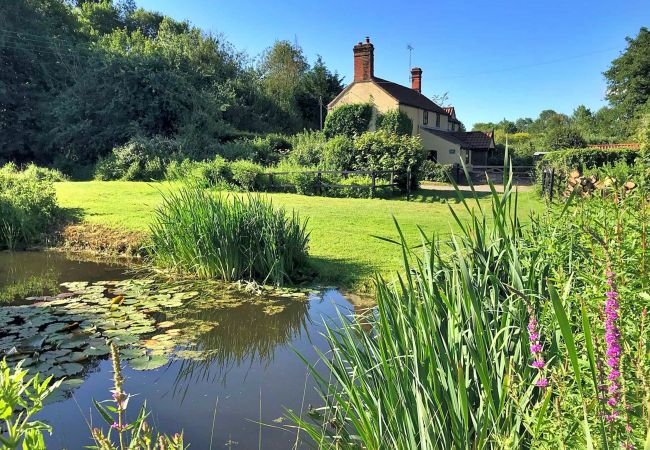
<point>211,362</point>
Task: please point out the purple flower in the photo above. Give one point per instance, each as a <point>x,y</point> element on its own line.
<point>538,364</point>
<point>536,349</point>
<point>613,347</point>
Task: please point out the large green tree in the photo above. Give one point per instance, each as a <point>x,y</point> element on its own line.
<point>628,78</point>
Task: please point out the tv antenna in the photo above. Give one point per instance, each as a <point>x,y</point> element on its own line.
<point>409,47</point>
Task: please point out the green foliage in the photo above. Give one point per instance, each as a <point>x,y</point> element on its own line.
<point>432,171</point>
<point>562,137</point>
<point>246,174</point>
<point>443,362</point>
<point>228,238</point>
<point>338,153</point>
<point>135,435</point>
<point>348,120</point>
<point>588,158</point>
<point>307,148</point>
<point>91,77</point>
<point>140,159</point>
<point>27,205</point>
<point>20,400</point>
<point>395,121</point>
<point>627,78</point>
<point>380,150</point>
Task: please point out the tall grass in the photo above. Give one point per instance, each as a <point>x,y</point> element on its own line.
<point>230,238</point>
<point>446,362</point>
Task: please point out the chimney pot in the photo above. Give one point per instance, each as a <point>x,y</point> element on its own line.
<point>416,79</point>
<point>364,61</point>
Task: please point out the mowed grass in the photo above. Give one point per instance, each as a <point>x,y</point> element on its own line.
<point>343,248</point>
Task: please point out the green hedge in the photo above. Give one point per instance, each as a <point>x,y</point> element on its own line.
<point>432,171</point>
<point>348,120</point>
<point>587,161</point>
<point>588,158</point>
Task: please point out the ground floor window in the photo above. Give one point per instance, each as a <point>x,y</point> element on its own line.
<point>432,156</point>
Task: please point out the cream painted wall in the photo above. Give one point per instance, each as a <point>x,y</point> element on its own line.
<point>417,116</point>
<point>362,92</point>
<point>442,147</point>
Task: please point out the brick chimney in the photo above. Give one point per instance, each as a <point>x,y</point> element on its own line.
<point>416,79</point>
<point>364,61</point>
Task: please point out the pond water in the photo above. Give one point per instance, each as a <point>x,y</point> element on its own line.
<point>229,364</point>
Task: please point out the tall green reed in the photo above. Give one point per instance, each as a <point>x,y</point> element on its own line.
<point>446,361</point>
<point>228,237</point>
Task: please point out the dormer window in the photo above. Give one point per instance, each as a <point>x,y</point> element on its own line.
<point>425,118</point>
<point>437,120</point>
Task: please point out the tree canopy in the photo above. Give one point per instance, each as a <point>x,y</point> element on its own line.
<point>80,78</point>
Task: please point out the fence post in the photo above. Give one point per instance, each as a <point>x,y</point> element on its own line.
<point>408,184</point>
<point>372,189</point>
<point>270,181</point>
<point>319,183</point>
<point>551,184</point>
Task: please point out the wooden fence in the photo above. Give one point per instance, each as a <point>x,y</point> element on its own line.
<point>496,173</point>
<point>551,183</point>
<point>321,184</point>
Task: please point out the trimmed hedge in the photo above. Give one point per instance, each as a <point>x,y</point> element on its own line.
<point>588,158</point>
<point>585,160</point>
<point>348,120</point>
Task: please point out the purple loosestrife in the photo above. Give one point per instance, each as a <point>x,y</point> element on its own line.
<point>612,346</point>
<point>536,349</point>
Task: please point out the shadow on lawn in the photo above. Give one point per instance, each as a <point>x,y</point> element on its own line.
<point>342,273</point>
<point>441,196</point>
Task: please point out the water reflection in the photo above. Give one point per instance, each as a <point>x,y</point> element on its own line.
<point>244,335</point>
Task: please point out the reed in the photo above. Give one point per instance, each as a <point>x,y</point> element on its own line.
<point>228,237</point>
<point>446,361</point>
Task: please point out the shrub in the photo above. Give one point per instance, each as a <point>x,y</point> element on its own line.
<point>27,206</point>
<point>43,173</point>
<point>307,148</point>
<point>348,120</point>
<point>562,137</point>
<point>380,150</point>
<point>395,121</point>
<point>338,153</point>
<point>246,174</point>
<point>139,159</point>
<point>432,171</point>
<point>584,160</point>
<point>230,238</point>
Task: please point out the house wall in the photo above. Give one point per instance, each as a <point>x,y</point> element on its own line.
<point>447,152</point>
<point>417,117</point>
<point>362,92</point>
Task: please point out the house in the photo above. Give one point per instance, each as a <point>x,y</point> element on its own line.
<point>441,132</point>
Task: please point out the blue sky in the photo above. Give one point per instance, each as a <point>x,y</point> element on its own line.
<point>496,59</point>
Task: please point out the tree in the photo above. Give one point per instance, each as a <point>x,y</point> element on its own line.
<point>282,68</point>
<point>561,137</point>
<point>628,78</point>
<point>318,87</point>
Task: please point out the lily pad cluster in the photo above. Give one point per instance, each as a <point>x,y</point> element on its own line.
<point>65,335</point>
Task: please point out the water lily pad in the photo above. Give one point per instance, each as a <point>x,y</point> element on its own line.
<point>148,362</point>
<point>166,324</point>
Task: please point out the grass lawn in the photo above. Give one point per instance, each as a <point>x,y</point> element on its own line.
<point>342,247</point>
